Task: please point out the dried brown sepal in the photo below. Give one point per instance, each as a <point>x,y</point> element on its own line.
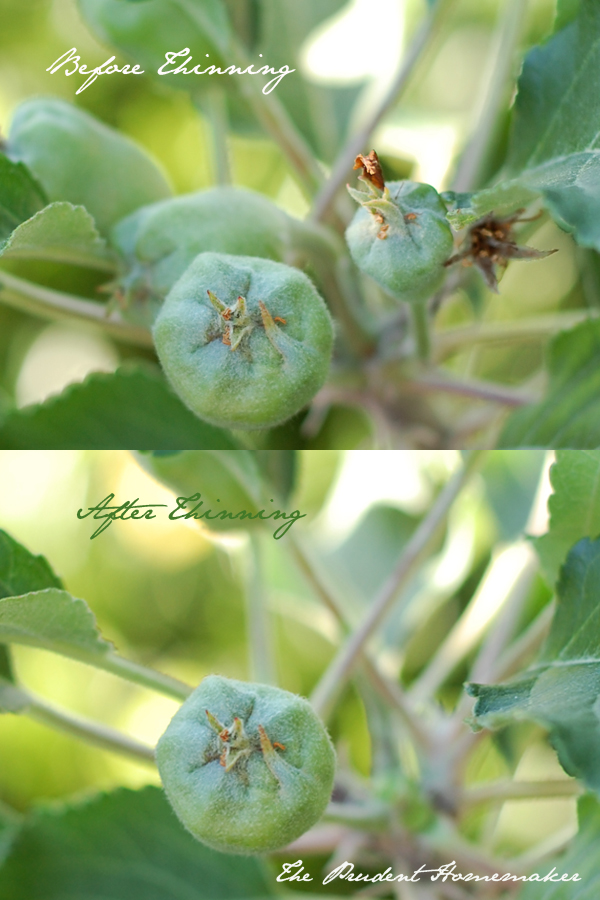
<point>238,324</point>
<point>489,245</point>
<point>371,169</point>
<point>379,218</point>
<point>271,328</point>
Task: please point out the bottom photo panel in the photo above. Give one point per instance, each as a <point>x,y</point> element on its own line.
<point>236,674</point>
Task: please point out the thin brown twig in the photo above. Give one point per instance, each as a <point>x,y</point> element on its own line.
<point>357,142</point>
<point>335,677</point>
<point>506,789</point>
<point>391,692</point>
<point>478,390</point>
<point>91,732</point>
<point>54,305</point>
<point>454,339</point>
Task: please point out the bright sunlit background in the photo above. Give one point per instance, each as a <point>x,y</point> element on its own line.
<point>170,595</point>
<point>361,47</point>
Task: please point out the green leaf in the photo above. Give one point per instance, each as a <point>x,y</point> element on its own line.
<point>146,31</point>
<point>554,150</point>
<point>226,480</point>
<point>561,691</point>
<point>569,415</point>
<point>10,822</point>
<point>574,507</point>
<point>61,232</point>
<point>570,187</point>
<point>280,468</point>
<point>20,196</point>
<point>566,12</point>
<point>20,572</point>
<point>461,211</point>
<point>581,859</point>
<point>132,408</point>
<point>511,479</point>
<point>318,470</point>
<point>52,620</point>
<point>6,671</point>
<point>121,846</point>
<point>557,109</point>
<point>367,557</point>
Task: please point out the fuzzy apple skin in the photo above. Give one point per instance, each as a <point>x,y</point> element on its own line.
<point>76,157</point>
<point>257,798</point>
<point>402,239</point>
<point>158,242</point>
<point>273,372</point>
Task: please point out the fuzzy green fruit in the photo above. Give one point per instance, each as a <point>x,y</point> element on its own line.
<point>246,767</point>
<point>245,342</point>
<point>401,239</point>
<point>77,158</point>
<point>158,242</point>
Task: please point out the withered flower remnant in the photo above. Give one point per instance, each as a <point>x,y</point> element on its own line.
<point>371,169</point>
<point>489,245</point>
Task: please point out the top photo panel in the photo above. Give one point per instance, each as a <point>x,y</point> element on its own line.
<point>299,224</point>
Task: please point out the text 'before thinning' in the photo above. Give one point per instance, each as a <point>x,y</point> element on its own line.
<point>70,63</point>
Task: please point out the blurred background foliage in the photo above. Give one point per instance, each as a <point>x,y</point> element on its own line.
<point>422,138</point>
<point>171,595</point>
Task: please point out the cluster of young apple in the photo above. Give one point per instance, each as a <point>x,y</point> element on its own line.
<point>244,338</point>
